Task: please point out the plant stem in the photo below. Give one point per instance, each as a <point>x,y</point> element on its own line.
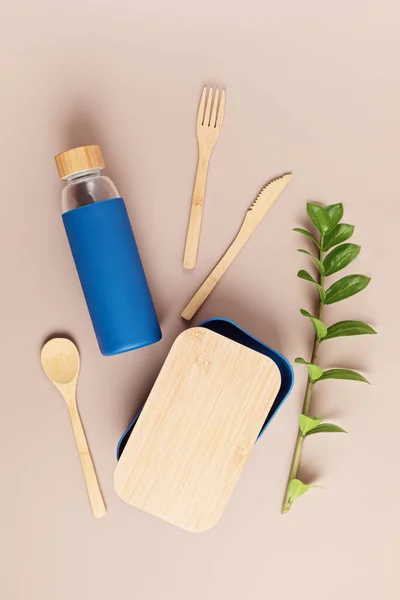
<point>306,403</point>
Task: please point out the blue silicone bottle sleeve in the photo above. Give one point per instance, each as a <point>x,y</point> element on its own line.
<point>112,276</point>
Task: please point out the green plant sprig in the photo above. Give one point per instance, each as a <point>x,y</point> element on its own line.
<point>331,238</point>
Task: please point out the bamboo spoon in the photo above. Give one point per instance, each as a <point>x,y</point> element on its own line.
<point>209,123</point>
<point>60,361</point>
<point>254,215</point>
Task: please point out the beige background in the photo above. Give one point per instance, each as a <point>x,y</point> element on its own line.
<point>312,87</point>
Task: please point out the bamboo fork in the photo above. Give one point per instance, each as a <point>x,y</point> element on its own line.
<point>254,215</point>
<point>209,123</point>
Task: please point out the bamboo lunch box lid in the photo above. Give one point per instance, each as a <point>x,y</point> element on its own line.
<point>196,430</point>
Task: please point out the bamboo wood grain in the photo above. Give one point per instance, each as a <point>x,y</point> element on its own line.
<point>79,159</point>
<point>209,122</point>
<point>196,430</point>
<point>60,360</point>
<point>254,215</point>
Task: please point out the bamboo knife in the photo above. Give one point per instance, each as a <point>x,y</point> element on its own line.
<point>254,216</point>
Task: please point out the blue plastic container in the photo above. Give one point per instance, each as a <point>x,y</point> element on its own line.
<point>232,331</point>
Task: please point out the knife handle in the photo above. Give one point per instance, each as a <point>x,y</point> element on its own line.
<point>209,284</point>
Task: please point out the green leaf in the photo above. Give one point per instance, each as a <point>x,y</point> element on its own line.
<point>339,234</point>
<point>335,212</point>
<point>314,371</point>
<point>326,428</point>
<point>344,328</point>
<point>318,216</point>
<point>346,287</point>
<point>306,276</point>
<point>307,234</point>
<point>306,424</point>
<point>320,327</point>
<point>297,488</point>
<point>317,262</point>
<point>340,257</point>
<point>342,374</point>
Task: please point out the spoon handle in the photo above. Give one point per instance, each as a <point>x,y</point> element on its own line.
<point>92,484</point>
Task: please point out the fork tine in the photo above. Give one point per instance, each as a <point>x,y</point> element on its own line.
<point>221,110</point>
<point>208,109</point>
<point>200,114</point>
<point>213,122</point>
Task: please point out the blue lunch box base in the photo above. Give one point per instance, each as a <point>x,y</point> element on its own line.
<point>232,331</point>
<point>112,276</point>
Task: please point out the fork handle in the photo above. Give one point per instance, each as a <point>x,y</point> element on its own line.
<point>196,212</point>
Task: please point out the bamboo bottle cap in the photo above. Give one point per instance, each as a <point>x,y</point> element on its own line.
<point>78,160</point>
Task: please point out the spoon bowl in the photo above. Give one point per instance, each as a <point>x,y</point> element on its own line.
<point>60,360</point>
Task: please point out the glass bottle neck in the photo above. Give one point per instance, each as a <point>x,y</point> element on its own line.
<point>87,187</point>
<point>82,176</point>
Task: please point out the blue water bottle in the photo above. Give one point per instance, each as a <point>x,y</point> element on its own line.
<point>105,254</point>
